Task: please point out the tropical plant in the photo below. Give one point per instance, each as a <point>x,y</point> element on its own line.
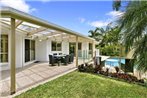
<point>110,44</point>
<point>111,37</point>
<point>97,33</point>
<point>133,25</point>
<point>116,5</point>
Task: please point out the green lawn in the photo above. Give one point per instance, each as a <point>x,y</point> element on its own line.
<point>83,85</point>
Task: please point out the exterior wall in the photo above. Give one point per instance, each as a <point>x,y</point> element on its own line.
<point>65,47</point>
<point>43,49</point>
<point>19,50</point>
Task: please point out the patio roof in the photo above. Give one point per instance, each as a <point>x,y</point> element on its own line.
<point>31,26</point>
<point>34,26</point>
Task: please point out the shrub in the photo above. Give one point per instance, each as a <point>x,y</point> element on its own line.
<point>89,68</point>
<point>86,68</point>
<point>117,69</point>
<point>141,81</point>
<point>98,69</point>
<point>81,68</point>
<point>103,73</point>
<point>113,74</point>
<point>127,77</point>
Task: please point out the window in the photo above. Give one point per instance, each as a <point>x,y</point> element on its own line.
<point>56,46</point>
<point>4,48</point>
<point>79,46</point>
<point>29,50</point>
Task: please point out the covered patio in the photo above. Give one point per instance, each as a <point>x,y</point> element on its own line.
<point>27,39</point>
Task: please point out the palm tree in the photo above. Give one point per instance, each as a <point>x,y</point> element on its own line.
<point>111,36</point>
<point>97,33</point>
<point>116,5</point>
<point>133,25</point>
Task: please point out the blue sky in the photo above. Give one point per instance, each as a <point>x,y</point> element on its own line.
<point>79,16</point>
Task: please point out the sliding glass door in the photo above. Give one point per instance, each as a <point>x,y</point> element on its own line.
<point>29,50</point>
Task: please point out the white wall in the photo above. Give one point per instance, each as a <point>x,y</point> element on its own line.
<point>65,47</point>
<point>85,48</point>
<point>42,50</point>
<point>19,49</point>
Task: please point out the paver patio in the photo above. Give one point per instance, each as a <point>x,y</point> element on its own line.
<point>31,75</point>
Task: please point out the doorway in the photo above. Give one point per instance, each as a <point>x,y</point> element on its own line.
<point>72,48</point>
<point>29,50</point>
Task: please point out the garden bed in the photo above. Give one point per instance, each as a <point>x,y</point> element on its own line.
<point>117,76</point>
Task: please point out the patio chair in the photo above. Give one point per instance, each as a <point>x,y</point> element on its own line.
<point>65,60</point>
<point>71,58</point>
<point>52,60</point>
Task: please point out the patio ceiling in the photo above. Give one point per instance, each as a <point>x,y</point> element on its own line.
<point>34,27</point>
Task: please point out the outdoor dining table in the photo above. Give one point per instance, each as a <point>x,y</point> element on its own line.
<point>58,58</point>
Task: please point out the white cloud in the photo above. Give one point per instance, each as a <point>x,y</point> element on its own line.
<point>82,20</point>
<point>99,23</point>
<point>18,4</point>
<point>115,14</point>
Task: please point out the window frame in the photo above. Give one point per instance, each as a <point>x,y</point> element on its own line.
<point>7,50</point>
<point>57,46</point>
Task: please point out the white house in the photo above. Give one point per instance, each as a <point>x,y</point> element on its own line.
<point>26,39</point>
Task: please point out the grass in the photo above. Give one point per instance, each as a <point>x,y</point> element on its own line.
<point>84,85</point>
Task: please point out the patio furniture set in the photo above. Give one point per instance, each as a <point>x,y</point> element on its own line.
<point>60,59</point>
